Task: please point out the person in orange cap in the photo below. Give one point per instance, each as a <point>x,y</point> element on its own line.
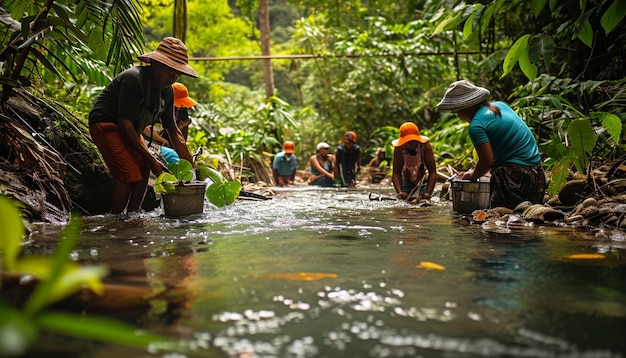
<point>284,165</point>
<point>160,138</point>
<point>347,161</point>
<point>136,98</point>
<point>412,157</point>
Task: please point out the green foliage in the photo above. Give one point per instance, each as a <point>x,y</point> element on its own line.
<point>582,139</point>
<point>221,192</point>
<point>58,39</point>
<point>57,279</point>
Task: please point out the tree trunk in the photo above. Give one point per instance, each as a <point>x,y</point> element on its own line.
<point>264,27</point>
<point>180,19</point>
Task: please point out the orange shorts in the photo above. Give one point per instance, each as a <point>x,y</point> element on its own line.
<point>124,162</point>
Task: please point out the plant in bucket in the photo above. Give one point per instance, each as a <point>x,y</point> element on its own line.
<point>183,196</point>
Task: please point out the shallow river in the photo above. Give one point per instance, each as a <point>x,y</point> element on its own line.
<point>332,274</point>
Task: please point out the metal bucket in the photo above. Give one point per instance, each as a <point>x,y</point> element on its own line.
<point>468,195</point>
<point>187,200</point>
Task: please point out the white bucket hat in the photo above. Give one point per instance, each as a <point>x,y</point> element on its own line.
<point>461,95</point>
<point>322,145</point>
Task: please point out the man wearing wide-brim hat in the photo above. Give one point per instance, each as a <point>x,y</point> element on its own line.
<point>138,97</point>
<point>505,145</point>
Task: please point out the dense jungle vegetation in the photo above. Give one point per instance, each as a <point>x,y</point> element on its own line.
<point>355,65</point>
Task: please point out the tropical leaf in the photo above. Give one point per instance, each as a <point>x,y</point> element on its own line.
<point>512,57</point>
<point>558,177</point>
<point>585,34</point>
<point>182,170</point>
<point>611,123</point>
<point>224,193</point>
<point>582,139</point>
<point>537,6</point>
<point>165,183</point>
<point>528,68</point>
<point>541,48</point>
<point>613,15</point>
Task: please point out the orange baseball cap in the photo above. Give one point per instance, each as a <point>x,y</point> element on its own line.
<point>181,96</point>
<point>288,147</point>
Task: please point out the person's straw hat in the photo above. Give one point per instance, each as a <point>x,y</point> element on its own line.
<point>322,145</point>
<point>171,52</point>
<point>409,132</point>
<point>461,95</point>
<point>289,147</point>
<point>181,96</point>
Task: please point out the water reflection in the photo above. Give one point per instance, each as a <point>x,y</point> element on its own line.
<point>331,273</point>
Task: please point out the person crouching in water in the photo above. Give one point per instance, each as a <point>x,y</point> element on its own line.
<point>284,165</point>
<point>347,162</point>
<point>412,157</point>
<point>504,143</point>
<point>321,167</point>
<point>136,98</point>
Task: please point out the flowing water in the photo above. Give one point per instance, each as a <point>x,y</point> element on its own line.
<point>330,273</point>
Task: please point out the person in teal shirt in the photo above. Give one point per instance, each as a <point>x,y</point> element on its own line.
<point>504,143</point>
<point>284,165</point>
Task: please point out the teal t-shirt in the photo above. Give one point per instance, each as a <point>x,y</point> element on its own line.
<point>285,165</point>
<point>510,138</point>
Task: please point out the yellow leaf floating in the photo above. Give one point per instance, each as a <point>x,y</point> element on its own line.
<point>587,256</point>
<point>302,276</point>
<point>430,266</point>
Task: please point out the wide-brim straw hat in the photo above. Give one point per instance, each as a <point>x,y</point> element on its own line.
<point>171,52</point>
<point>461,95</point>
<point>409,132</point>
<point>181,96</point>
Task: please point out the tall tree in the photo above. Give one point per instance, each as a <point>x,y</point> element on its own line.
<point>264,27</point>
<point>180,19</point>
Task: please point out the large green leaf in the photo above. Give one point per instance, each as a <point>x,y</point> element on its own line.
<point>512,57</point>
<point>220,194</point>
<point>582,139</point>
<point>611,123</point>
<point>182,170</point>
<point>585,34</point>
<point>537,6</point>
<point>541,48</point>
<point>613,15</point>
<point>165,183</point>
<point>528,68</point>
<point>11,232</point>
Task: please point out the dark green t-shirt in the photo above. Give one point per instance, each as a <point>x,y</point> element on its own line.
<point>131,96</point>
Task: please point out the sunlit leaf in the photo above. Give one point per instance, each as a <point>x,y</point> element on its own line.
<point>528,68</point>
<point>427,265</point>
<point>223,193</point>
<point>165,183</point>
<point>541,48</point>
<point>11,232</point>
<point>520,46</point>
